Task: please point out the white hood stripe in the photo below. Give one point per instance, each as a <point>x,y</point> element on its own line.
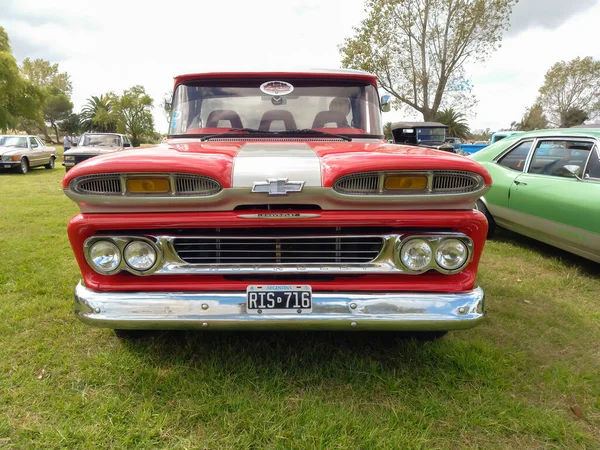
<point>257,162</point>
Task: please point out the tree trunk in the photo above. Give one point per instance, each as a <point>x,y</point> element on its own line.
<point>429,115</point>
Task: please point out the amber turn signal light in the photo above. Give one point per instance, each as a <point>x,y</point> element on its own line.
<point>401,182</point>
<point>148,185</point>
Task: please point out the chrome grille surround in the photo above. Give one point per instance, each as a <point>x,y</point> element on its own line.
<point>113,184</point>
<point>440,182</point>
<point>385,261</point>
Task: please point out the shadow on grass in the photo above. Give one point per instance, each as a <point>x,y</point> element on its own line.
<point>339,357</point>
<point>585,265</point>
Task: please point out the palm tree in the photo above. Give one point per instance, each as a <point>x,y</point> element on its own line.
<point>98,114</point>
<point>456,122</point>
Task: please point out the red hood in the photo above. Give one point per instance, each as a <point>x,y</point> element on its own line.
<point>216,159</point>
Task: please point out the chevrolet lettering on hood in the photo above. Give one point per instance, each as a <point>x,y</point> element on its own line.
<point>276,203</point>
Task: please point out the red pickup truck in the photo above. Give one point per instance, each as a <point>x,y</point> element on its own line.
<point>276,203</point>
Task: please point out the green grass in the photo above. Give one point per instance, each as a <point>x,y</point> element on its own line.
<point>529,377</point>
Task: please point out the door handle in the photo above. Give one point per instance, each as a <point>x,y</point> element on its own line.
<point>520,183</point>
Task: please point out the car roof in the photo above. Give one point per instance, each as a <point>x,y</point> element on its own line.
<point>276,74</point>
<point>562,132</point>
<point>396,125</point>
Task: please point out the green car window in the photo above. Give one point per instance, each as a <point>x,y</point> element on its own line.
<point>515,159</point>
<point>593,168</point>
<point>551,157</point>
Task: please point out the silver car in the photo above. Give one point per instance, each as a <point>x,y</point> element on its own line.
<point>25,152</point>
<point>94,144</point>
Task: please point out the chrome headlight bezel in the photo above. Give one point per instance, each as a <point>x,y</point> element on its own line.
<point>121,242</point>
<point>435,241</point>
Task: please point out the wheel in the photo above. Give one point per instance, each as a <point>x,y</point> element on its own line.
<point>480,206</point>
<point>50,164</point>
<point>129,335</point>
<point>24,166</point>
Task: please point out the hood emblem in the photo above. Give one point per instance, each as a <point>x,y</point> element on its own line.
<point>277,186</point>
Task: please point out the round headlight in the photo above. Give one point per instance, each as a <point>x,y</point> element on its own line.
<point>104,256</point>
<point>451,254</point>
<point>139,255</point>
<point>416,254</point>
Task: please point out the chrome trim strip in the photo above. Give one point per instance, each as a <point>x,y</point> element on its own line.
<point>386,262</point>
<point>228,199</point>
<point>259,162</point>
<point>560,235</point>
<point>330,311</point>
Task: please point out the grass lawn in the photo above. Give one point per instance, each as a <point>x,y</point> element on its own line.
<point>528,378</point>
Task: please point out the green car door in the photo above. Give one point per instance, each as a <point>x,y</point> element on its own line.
<point>557,200</point>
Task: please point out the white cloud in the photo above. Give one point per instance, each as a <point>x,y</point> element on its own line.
<point>113,45</point>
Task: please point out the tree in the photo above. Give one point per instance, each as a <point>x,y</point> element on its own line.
<point>166,105</point>
<point>456,122</point>
<point>533,119</point>
<point>57,109</point>
<point>418,48</point>
<point>387,131</point>
<point>571,88</point>
<point>99,113</point>
<point>71,124</point>
<point>573,116</point>
<point>19,99</point>
<point>135,114</point>
<point>45,75</point>
<point>56,87</point>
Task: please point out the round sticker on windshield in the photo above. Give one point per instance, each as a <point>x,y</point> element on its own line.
<point>276,88</point>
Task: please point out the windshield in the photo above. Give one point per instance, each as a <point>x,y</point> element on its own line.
<point>335,106</point>
<point>431,134</point>
<point>109,140</point>
<point>14,141</point>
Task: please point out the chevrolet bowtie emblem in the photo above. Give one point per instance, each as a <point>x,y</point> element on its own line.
<point>277,186</point>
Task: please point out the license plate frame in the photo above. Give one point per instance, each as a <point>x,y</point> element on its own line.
<point>278,299</point>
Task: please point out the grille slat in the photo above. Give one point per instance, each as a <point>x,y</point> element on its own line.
<point>278,250</point>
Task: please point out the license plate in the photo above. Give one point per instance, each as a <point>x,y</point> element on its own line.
<point>7,166</point>
<point>265,299</point>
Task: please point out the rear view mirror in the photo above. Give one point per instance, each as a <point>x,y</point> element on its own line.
<point>386,103</point>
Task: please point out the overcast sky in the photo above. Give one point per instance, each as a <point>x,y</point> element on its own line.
<point>113,45</point>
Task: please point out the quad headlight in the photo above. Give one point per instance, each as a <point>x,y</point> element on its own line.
<point>416,254</point>
<point>451,254</point>
<point>104,256</point>
<point>139,255</point>
<point>446,254</point>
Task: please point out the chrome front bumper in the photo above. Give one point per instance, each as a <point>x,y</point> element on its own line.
<point>330,311</point>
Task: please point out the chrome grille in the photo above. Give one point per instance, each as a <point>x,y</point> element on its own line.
<point>113,184</point>
<point>278,250</point>
<point>195,185</point>
<point>358,183</point>
<point>107,184</point>
<point>454,182</point>
<point>439,182</point>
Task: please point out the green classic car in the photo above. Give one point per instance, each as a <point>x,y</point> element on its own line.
<point>546,185</point>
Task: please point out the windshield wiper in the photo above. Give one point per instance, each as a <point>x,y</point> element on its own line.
<point>319,132</point>
<point>232,130</point>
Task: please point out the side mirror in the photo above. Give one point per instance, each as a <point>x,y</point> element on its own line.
<point>574,170</point>
<point>386,103</point>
